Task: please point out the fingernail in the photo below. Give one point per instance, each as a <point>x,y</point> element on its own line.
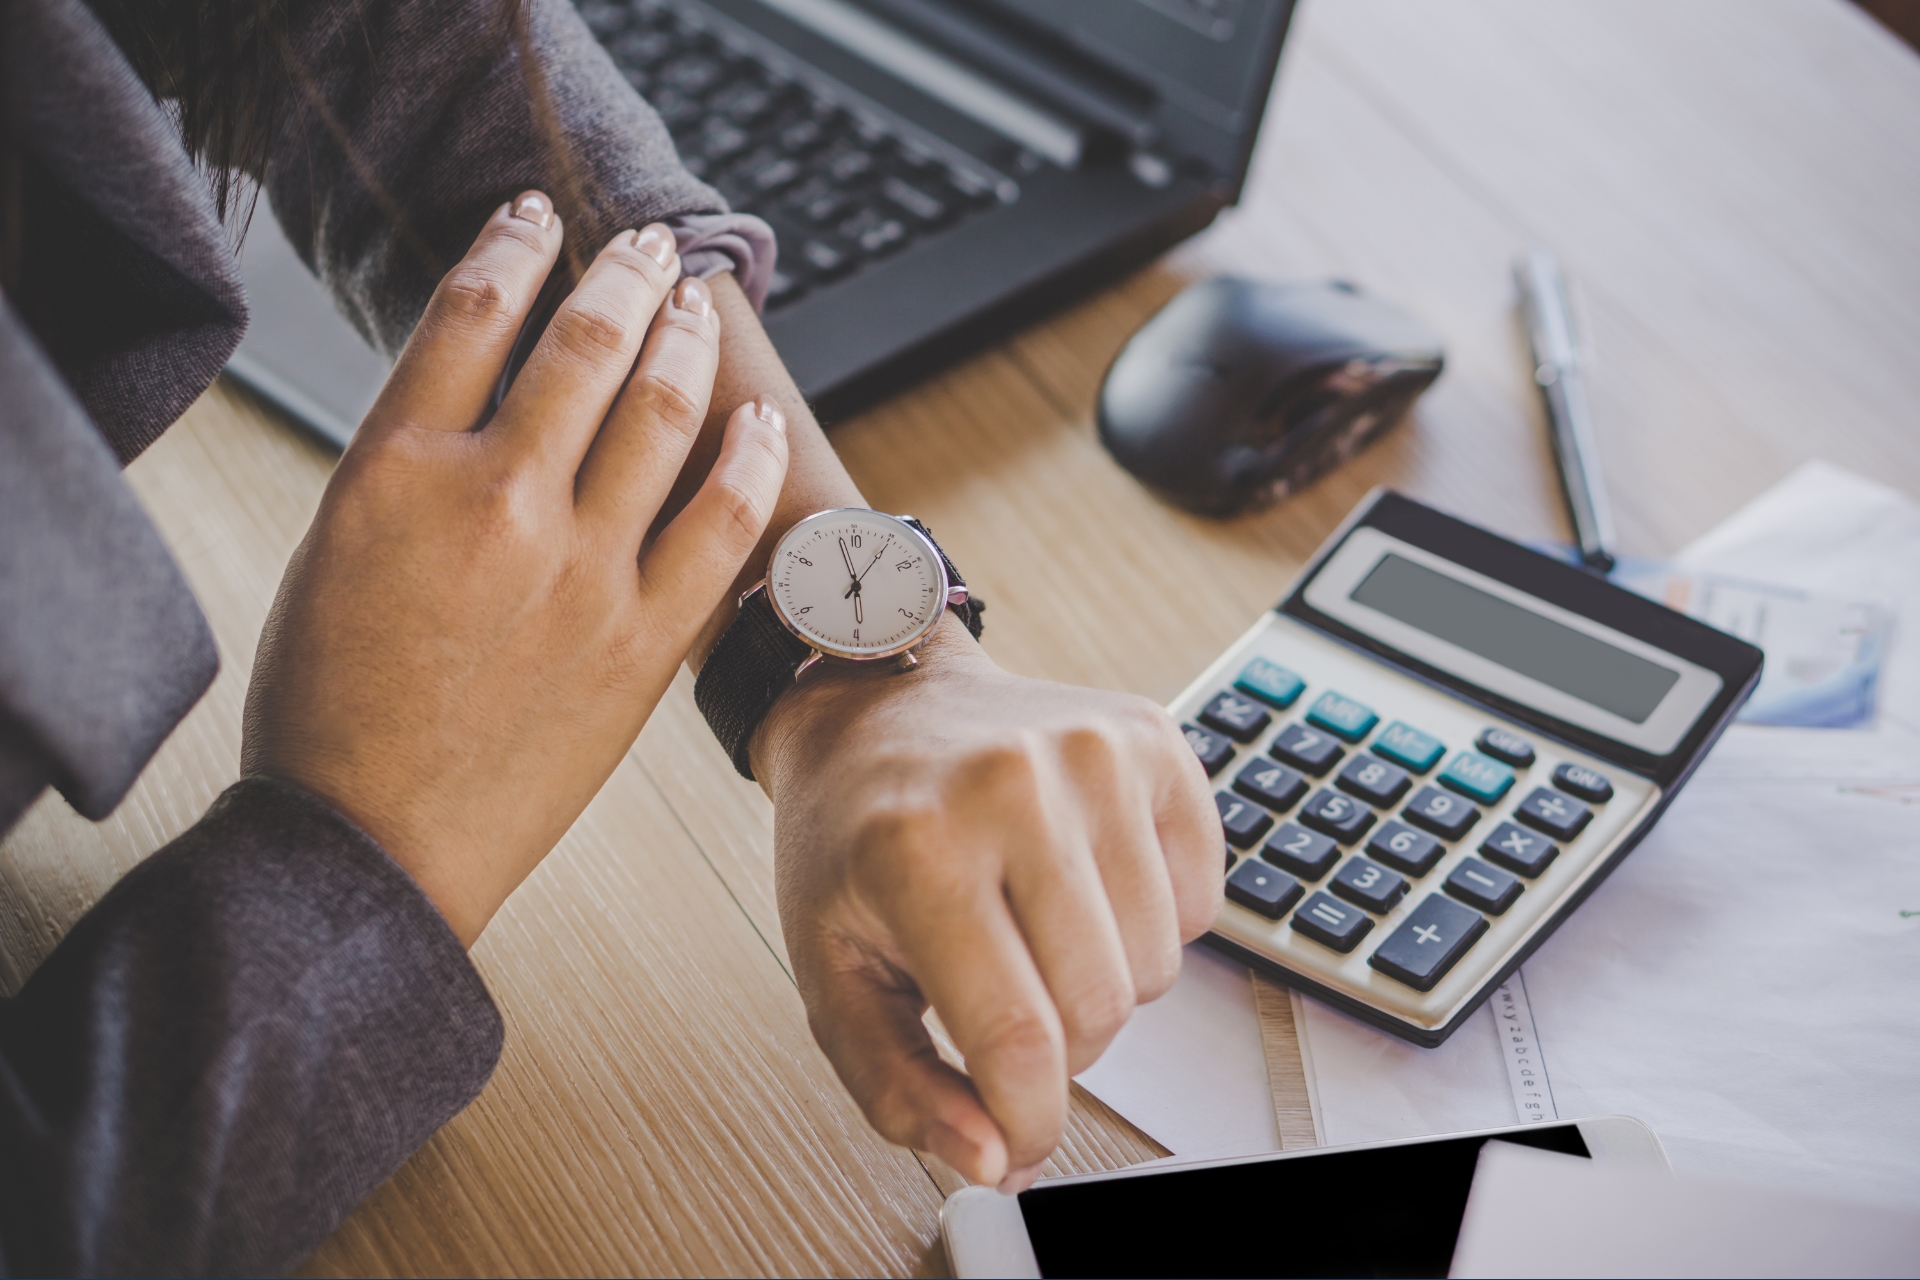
<point>769,412</point>
<point>1020,1179</point>
<point>693,295</point>
<point>532,207</point>
<point>657,243</point>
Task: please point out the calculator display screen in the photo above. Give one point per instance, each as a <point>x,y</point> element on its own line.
<point>1515,637</point>
<point>1385,1211</point>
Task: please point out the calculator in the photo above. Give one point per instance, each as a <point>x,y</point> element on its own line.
<point>1433,749</point>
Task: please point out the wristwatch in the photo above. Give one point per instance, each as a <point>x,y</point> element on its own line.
<point>847,584</point>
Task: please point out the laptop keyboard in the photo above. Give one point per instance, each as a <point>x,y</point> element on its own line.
<point>841,188</point>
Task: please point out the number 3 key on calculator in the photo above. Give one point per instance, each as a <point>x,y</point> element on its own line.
<point>1433,750</point>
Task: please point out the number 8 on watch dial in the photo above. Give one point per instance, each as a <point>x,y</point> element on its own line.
<point>857,584</point>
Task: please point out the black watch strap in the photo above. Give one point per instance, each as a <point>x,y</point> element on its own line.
<point>755,660</point>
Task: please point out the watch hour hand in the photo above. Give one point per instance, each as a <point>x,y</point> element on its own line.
<point>847,559</point>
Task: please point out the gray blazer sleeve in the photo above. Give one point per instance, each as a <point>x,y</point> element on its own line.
<point>249,1033</point>
<point>407,122</point>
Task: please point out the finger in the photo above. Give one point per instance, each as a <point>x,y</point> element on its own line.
<point>445,377</point>
<point>867,1020</point>
<point>1138,886</point>
<point>645,440</point>
<point>1187,823</point>
<point>699,554</point>
<point>578,366</point>
<point>1058,900</point>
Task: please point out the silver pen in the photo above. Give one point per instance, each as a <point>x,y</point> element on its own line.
<point>1556,368</point>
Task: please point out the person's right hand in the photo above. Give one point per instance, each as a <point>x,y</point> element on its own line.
<point>477,626</point>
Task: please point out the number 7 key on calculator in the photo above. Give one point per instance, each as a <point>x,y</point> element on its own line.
<point>1433,749</point>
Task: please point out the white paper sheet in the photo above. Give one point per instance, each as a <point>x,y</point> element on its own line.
<point>1190,1068</point>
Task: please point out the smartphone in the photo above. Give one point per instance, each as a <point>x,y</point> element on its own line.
<point>1376,1209</point>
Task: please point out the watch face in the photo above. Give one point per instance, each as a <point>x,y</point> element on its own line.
<point>857,584</point>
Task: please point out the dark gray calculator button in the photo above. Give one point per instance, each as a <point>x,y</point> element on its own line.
<point>1214,749</point>
<point>1367,884</point>
<point>1273,785</point>
<point>1342,817</point>
<point>1229,865</point>
<point>1518,849</point>
<point>1553,813</point>
<point>1267,890</point>
<point>1245,822</point>
<point>1578,780</point>
<point>1308,750</point>
<point>1446,815</point>
<point>1506,747</point>
<point>1373,780</point>
<point>1328,920</point>
<point>1307,854</point>
<point>1400,846</point>
<point>1487,888</point>
<point>1429,942</point>
<point>1236,715</point>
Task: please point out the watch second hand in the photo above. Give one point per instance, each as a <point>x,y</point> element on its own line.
<point>876,557</point>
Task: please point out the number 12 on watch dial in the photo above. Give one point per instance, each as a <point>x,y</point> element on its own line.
<point>857,584</point>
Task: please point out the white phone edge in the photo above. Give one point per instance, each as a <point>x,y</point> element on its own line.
<point>986,1236</point>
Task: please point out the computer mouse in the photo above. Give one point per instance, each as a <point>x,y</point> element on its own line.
<point>1238,393</point>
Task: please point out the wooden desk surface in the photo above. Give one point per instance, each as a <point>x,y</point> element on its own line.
<point>1734,186</point>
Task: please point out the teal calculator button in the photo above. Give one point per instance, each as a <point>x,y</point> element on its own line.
<point>1475,776</point>
<point>1404,744</point>
<point>1342,716</point>
<point>1270,682</point>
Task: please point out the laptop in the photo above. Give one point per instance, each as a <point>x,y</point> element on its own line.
<point>937,171</point>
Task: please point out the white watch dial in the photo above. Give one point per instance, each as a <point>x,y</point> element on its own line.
<point>857,584</point>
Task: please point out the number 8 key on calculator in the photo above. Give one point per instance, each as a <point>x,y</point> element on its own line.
<point>1432,751</point>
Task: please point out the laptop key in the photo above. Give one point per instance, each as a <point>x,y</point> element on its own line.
<point>1401,847</point>
<point>1342,817</point>
<point>1307,854</point>
<point>1587,784</point>
<point>1373,780</point>
<point>1429,942</point>
<point>1307,750</point>
<point>1447,816</point>
<point>825,260</point>
<point>1332,923</point>
<point>1520,850</point>
<point>1273,785</point>
<point>1480,886</point>
<point>1366,883</point>
<point>1245,822</point>
<point>1214,749</point>
<point>1241,719</point>
<point>928,209</point>
<point>1263,889</point>
<point>1552,813</point>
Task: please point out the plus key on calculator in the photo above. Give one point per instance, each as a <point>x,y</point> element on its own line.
<point>1436,745</point>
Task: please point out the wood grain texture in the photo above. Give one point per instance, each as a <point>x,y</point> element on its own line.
<point>1732,187</point>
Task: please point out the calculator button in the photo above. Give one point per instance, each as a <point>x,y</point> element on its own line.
<point>1403,744</point>
<point>1400,846</point>
<point>1244,821</point>
<point>1445,815</point>
<point>1578,780</point>
<point>1367,884</point>
<point>1373,780</point>
<point>1259,887</point>
<point>1342,715</point>
<point>1478,885</point>
<point>1328,920</point>
<point>1307,750</point>
<point>1273,785</point>
<point>1429,942</point>
<point>1270,682</point>
<point>1505,746</point>
<point>1307,854</point>
<point>1241,719</point>
<point>1476,777</point>
<point>1342,817</point>
<point>1553,813</point>
<point>1214,749</point>
<point>1519,850</point>
<point>1229,865</point>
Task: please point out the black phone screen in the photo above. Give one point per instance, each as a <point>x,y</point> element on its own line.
<point>1391,1211</point>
